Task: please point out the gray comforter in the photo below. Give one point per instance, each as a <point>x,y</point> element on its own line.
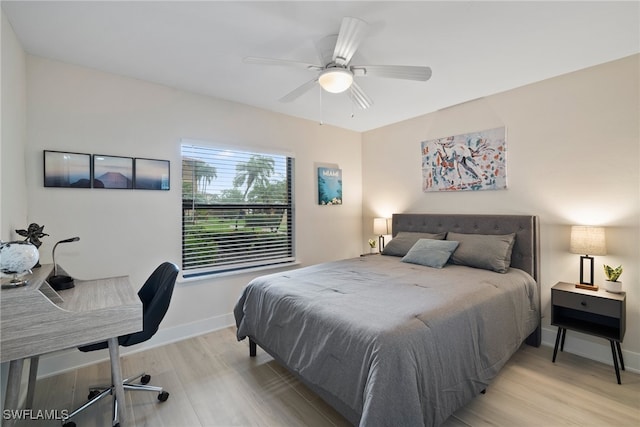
<point>390,343</point>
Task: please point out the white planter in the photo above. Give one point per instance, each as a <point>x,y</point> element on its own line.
<point>613,287</point>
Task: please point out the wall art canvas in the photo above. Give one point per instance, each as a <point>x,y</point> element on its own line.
<point>467,162</point>
<point>329,186</point>
<point>112,172</point>
<point>62,169</point>
<point>151,174</point>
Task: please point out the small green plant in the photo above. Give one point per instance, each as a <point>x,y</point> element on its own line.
<point>372,243</point>
<point>612,273</point>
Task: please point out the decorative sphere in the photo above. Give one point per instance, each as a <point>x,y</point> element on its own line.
<point>18,257</point>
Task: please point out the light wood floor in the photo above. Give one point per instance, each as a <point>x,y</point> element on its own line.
<point>213,382</point>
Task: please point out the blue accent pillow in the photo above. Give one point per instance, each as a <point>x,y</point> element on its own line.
<point>431,253</point>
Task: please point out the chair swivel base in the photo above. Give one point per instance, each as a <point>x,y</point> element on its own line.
<point>98,393</point>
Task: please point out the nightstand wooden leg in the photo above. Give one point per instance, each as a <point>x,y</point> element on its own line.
<point>620,355</point>
<point>564,335</point>
<point>615,360</point>
<point>555,349</point>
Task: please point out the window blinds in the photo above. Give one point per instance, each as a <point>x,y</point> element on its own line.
<point>237,209</point>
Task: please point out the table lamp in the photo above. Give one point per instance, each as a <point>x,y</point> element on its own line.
<point>62,281</point>
<point>586,240</point>
<point>380,227</point>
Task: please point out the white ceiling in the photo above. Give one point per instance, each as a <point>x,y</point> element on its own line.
<point>474,48</point>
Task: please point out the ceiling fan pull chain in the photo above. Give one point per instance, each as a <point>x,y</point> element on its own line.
<point>321,121</point>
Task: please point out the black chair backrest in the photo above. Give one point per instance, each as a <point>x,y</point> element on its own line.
<point>155,295</point>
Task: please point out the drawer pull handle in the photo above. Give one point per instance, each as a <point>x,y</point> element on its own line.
<point>583,303</point>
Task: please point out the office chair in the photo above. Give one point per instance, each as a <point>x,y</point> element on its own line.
<point>155,295</point>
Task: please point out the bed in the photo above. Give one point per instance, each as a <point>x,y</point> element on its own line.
<point>390,342</point>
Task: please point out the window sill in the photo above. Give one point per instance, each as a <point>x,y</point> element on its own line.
<point>218,274</point>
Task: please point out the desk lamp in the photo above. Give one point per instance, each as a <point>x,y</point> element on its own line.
<point>588,241</point>
<point>60,282</point>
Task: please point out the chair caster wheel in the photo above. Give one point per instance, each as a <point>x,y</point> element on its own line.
<point>92,394</point>
<point>145,379</point>
<point>69,424</point>
<point>163,396</point>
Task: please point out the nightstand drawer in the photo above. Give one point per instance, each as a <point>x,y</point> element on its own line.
<point>605,307</point>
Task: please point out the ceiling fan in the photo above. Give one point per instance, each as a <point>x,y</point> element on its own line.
<point>337,73</point>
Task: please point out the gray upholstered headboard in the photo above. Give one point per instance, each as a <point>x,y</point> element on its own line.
<point>525,250</point>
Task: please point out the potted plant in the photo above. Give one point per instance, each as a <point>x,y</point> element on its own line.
<point>372,246</point>
<point>612,284</point>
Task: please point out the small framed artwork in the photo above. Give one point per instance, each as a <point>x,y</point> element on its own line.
<point>62,169</point>
<point>329,186</point>
<point>151,174</point>
<point>112,172</point>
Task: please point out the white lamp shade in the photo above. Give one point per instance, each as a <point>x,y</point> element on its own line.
<point>586,240</point>
<point>335,80</point>
<point>380,226</point>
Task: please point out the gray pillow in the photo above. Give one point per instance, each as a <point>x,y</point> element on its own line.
<point>490,252</point>
<point>404,240</point>
<point>429,252</point>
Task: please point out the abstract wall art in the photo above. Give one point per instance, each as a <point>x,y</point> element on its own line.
<point>468,162</point>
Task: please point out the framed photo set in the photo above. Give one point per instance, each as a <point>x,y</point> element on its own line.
<point>151,174</point>
<point>62,169</point>
<point>112,172</point>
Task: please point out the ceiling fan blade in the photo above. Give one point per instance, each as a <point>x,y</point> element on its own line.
<point>352,32</point>
<point>325,47</point>
<point>284,62</point>
<point>300,90</point>
<point>358,97</point>
<point>406,72</point>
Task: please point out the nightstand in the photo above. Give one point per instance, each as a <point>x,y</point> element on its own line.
<point>370,253</point>
<point>598,313</point>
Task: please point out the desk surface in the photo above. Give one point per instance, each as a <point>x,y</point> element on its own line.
<point>35,319</point>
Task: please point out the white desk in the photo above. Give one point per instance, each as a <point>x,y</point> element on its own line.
<point>35,320</point>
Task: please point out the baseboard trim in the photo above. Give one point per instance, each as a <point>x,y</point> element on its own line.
<point>65,360</point>
<point>576,343</point>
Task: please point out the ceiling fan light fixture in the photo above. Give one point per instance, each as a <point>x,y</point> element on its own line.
<point>335,80</point>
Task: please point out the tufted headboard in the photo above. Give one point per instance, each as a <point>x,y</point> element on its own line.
<point>525,255</point>
<point>525,249</point>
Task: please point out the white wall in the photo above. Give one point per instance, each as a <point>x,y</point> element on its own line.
<point>573,157</point>
<point>13,213</point>
<point>130,232</point>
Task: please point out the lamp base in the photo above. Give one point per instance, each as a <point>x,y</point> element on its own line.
<point>60,283</point>
<point>16,282</point>
<point>587,287</point>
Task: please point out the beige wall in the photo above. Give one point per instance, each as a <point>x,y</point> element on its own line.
<point>573,158</point>
<point>13,213</point>
<point>130,232</point>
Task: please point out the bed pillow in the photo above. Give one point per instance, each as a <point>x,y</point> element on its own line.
<point>404,240</point>
<point>429,252</point>
<point>490,252</point>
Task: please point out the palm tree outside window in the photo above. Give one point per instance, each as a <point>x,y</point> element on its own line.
<point>237,209</point>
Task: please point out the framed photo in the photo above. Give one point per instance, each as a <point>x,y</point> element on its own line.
<point>62,169</point>
<point>329,186</point>
<point>151,174</point>
<point>112,172</point>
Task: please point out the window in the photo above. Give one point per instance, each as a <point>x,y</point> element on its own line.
<point>237,209</point>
